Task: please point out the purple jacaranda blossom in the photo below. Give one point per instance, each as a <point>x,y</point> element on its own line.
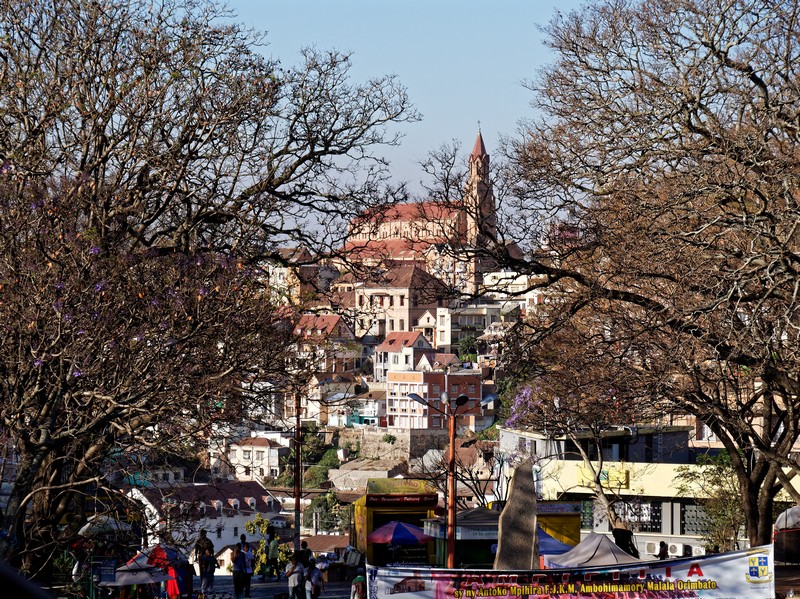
<point>38,362</point>
<point>77,373</point>
<point>94,250</point>
<point>101,286</point>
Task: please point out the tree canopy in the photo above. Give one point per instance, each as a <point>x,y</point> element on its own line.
<point>656,198</point>
<point>150,159</point>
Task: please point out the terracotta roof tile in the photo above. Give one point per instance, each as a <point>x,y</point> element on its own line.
<point>397,340</point>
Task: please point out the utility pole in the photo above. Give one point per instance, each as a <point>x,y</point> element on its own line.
<point>298,469</point>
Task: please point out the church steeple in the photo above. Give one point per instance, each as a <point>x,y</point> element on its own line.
<point>479,149</point>
<point>479,197</point>
<point>479,159</point>
<point>480,211</point>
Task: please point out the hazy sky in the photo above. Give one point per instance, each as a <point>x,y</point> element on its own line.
<point>462,61</point>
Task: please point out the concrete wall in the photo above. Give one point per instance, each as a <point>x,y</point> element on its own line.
<point>373,442</point>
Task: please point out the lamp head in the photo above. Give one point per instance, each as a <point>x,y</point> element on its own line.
<point>417,398</point>
<point>491,398</point>
<point>462,400</point>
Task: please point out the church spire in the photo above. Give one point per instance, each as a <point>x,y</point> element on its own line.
<point>479,161</point>
<point>479,150</point>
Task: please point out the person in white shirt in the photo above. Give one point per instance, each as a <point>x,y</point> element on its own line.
<point>295,574</point>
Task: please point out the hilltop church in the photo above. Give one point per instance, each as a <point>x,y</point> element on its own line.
<point>439,237</point>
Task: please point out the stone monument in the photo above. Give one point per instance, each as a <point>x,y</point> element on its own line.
<point>517,547</point>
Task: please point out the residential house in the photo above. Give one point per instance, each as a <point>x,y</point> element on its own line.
<point>327,392</point>
<point>491,344</point>
<point>257,458</point>
<point>391,299</point>
<point>439,361</point>
<point>295,275</point>
<point>365,409</point>
<point>399,351</point>
<point>457,322</point>
<point>326,343</point>
<point>477,470</point>
<point>353,475</point>
<point>426,324</point>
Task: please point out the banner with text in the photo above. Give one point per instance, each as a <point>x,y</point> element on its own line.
<point>747,573</point>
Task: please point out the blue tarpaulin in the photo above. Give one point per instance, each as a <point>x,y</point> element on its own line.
<point>550,545</point>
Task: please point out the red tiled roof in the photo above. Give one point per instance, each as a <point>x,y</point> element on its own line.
<point>258,442</point>
<point>318,325</point>
<point>414,211</point>
<point>397,276</point>
<point>397,340</point>
<point>294,254</point>
<point>224,492</point>
<point>445,358</point>
<point>391,248</point>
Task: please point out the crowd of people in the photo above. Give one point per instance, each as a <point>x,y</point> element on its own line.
<point>304,577</point>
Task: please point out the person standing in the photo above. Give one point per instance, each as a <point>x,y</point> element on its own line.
<point>208,566</point>
<point>273,553</point>
<point>239,571</point>
<point>248,568</point>
<point>313,580</point>
<point>294,574</point>
<point>305,555</point>
<point>663,551</point>
<point>358,590</point>
<point>203,543</point>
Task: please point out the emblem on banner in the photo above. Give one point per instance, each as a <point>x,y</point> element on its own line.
<point>758,569</point>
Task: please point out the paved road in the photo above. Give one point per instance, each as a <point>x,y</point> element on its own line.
<point>787,578</point>
<point>223,588</point>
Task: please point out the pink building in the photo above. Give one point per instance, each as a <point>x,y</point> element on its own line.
<point>404,413</point>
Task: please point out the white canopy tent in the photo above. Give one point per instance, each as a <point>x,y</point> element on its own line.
<point>594,550</point>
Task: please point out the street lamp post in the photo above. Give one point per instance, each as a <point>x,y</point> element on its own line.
<point>450,412</point>
<point>451,481</point>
